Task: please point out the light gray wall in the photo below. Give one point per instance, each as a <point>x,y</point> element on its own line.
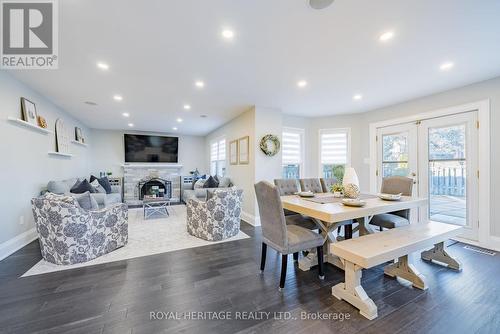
<point>26,165</point>
<point>359,124</point>
<point>242,176</point>
<point>267,121</point>
<point>108,153</point>
<point>255,123</point>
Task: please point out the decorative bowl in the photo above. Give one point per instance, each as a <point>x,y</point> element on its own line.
<point>353,202</point>
<point>390,197</point>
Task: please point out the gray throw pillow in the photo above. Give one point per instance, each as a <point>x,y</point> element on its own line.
<point>86,201</point>
<point>211,183</point>
<point>200,193</point>
<point>63,186</point>
<point>224,182</point>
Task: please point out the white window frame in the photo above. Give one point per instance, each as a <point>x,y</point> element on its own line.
<point>349,151</point>
<point>217,161</point>
<point>302,134</point>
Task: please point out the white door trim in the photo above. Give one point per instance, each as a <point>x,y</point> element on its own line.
<point>483,109</point>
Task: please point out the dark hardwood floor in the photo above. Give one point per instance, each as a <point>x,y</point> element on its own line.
<point>118,297</point>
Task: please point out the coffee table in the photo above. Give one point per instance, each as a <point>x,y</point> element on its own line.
<point>158,205</point>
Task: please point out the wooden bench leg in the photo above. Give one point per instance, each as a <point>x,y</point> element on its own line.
<point>406,271</point>
<point>352,292</point>
<point>307,262</point>
<point>439,254</point>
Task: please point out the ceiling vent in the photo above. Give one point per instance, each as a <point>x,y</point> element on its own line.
<point>320,4</point>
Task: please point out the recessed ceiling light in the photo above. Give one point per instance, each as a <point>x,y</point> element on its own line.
<point>174,128</point>
<point>131,125</point>
<point>126,114</point>
<point>227,34</point>
<point>179,120</point>
<point>103,66</point>
<point>301,83</point>
<point>187,107</point>
<point>320,4</point>
<point>357,97</point>
<point>446,66</point>
<point>386,36</point>
<point>118,97</point>
<point>199,84</point>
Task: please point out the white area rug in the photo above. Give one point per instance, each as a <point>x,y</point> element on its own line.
<point>146,237</point>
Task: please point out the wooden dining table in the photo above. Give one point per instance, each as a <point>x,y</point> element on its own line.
<point>329,213</point>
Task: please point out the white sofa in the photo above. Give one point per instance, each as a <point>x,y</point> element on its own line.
<point>104,200</point>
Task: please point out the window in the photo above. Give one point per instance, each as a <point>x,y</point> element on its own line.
<point>292,153</point>
<point>218,157</point>
<point>335,152</point>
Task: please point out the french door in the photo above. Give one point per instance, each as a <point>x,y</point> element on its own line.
<point>397,155</point>
<point>440,154</point>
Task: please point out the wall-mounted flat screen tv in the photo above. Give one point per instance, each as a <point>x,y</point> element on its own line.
<point>144,148</point>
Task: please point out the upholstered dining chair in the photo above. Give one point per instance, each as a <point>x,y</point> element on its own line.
<point>285,239</point>
<point>287,187</point>
<point>312,184</point>
<point>326,184</point>
<point>394,185</point>
<point>290,187</point>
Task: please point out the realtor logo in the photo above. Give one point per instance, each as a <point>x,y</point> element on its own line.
<point>29,34</point>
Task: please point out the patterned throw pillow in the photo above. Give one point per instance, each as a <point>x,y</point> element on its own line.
<point>103,181</point>
<point>97,187</point>
<point>62,198</point>
<point>199,184</point>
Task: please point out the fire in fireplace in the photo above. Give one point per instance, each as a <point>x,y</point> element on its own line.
<point>155,187</point>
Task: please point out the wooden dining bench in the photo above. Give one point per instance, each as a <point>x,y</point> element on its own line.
<point>374,249</point>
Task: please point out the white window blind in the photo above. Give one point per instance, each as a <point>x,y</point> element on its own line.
<point>334,146</point>
<point>218,157</point>
<point>292,147</point>
<point>222,150</point>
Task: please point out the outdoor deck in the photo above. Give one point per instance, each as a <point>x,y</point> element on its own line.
<point>448,209</point>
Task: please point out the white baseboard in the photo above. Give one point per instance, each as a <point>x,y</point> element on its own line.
<point>10,246</point>
<point>249,218</point>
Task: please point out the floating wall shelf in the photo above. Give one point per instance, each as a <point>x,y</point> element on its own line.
<point>28,125</point>
<point>67,155</point>
<point>76,142</point>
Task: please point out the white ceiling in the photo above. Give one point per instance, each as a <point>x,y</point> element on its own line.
<point>157,49</point>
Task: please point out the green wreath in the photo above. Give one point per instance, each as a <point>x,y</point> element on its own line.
<point>270,152</point>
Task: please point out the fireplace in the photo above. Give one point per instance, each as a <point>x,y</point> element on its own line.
<point>155,187</point>
<point>136,175</point>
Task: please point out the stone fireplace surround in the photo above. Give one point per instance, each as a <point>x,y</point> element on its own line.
<point>133,174</point>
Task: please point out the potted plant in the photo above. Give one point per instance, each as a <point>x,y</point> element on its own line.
<point>337,190</point>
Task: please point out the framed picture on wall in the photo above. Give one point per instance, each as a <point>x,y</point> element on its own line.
<point>29,111</point>
<point>78,135</point>
<point>233,152</point>
<point>244,148</point>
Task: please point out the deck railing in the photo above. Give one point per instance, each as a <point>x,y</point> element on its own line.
<point>447,181</point>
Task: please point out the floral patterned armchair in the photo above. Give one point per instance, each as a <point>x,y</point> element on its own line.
<point>218,218</point>
<point>68,234</point>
